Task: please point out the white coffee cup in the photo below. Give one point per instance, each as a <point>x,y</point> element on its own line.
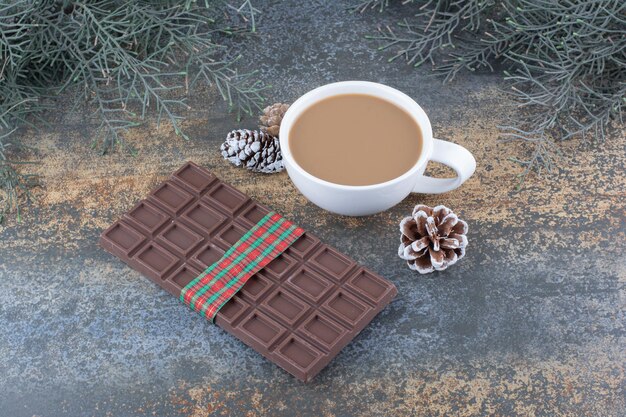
<point>361,200</point>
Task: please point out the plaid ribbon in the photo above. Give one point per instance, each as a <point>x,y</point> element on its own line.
<point>207,293</point>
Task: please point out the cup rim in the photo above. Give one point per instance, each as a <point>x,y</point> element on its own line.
<point>388,93</point>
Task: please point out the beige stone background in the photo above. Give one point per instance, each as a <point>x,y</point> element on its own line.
<point>531,322</point>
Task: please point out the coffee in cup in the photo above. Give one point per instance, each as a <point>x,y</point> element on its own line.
<point>355,139</point>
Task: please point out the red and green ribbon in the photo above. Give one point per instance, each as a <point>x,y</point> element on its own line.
<point>207,293</point>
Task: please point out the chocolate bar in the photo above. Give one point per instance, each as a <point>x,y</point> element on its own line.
<point>299,311</point>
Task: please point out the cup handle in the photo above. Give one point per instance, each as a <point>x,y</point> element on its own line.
<point>454,156</point>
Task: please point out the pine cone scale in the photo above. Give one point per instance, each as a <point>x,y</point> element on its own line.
<point>449,243</point>
<point>447,223</point>
<point>420,223</point>
<point>420,244</point>
<point>461,238</point>
<point>460,227</point>
<point>409,229</point>
<point>422,264</point>
<point>420,207</point>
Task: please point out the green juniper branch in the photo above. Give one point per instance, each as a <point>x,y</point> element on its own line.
<point>128,58</point>
<point>565,61</point>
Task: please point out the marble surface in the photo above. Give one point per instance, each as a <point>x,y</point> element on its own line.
<point>531,322</point>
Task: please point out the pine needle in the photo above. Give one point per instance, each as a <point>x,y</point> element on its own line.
<point>130,59</point>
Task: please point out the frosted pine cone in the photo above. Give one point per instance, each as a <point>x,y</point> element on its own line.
<point>254,150</point>
<point>432,239</point>
<point>272,117</point>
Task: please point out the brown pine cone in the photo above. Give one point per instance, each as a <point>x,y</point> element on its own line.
<point>432,239</point>
<point>271,118</point>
